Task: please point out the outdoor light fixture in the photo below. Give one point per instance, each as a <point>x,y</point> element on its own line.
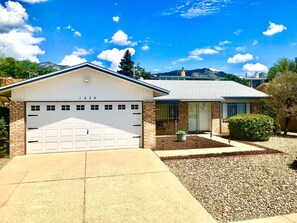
<point>87,80</point>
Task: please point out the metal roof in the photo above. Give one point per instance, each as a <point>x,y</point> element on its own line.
<point>205,90</point>
<point>158,89</point>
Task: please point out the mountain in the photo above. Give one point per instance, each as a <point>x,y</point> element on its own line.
<point>52,65</point>
<point>202,73</point>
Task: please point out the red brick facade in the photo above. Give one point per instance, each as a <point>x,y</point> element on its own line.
<point>215,117</point>
<point>149,124</point>
<point>17,128</point>
<point>171,127</point>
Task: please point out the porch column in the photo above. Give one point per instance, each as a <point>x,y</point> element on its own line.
<point>215,117</point>
<point>17,142</point>
<point>149,124</point>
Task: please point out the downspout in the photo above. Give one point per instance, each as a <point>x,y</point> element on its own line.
<point>221,117</point>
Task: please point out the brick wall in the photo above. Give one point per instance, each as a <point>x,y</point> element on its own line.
<point>256,107</point>
<point>171,127</point>
<point>215,117</point>
<point>17,128</point>
<point>149,124</point>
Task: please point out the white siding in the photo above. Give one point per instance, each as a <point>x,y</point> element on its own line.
<point>71,87</point>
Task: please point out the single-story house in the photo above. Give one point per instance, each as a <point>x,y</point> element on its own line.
<point>87,107</point>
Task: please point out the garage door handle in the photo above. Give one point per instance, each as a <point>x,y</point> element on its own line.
<point>87,131</point>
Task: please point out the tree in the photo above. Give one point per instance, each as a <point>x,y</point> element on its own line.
<point>282,65</point>
<point>232,77</point>
<point>141,73</point>
<point>126,65</point>
<point>283,92</point>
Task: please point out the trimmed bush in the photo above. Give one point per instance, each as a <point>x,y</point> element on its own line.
<point>3,138</point>
<point>251,127</point>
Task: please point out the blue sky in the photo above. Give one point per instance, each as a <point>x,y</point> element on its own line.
<point>236,36</point>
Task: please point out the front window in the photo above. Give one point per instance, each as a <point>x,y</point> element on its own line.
<point>167,111</point>
<point>232,109</point>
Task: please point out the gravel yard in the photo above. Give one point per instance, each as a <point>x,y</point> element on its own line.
<point>243,187</point>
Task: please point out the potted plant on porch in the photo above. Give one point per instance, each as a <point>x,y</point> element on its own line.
<point>181,135</point>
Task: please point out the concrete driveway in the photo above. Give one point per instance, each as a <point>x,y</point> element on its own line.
<point>103,186</point>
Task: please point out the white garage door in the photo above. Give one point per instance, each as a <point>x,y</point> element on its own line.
<point>79,126</point>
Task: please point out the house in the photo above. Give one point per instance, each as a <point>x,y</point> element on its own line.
<point>87,107</point>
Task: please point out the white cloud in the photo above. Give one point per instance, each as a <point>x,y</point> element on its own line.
<point>196,54</point>
<point>81,51</point>
<point>12,16</point>
<point>121,38</point>
<point>145,47</point>
<point>274,28</point>
<point>252,68</point>
<point>75,57</point>
<point>33,1</point>
<point>70,27</point>
<point>255,42</point>
<point>72,60</point>
<point>20,45</point>
<point>116,18</point>
<point>114,56</point>
<point>16,36</point>
<point>106,40</point>
<point>222,43</point>
<point>219,48</point>
<point>240,58</point>
<point>193,8</point>
<point>240,48</point>
<point>156,70</point>
<point>237,32</point>
<point>98,63</point>
<point>76,33</point>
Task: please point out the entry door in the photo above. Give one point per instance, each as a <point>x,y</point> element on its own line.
<point>199,116</point>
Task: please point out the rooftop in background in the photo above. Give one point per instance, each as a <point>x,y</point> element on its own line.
<point>205,90</point>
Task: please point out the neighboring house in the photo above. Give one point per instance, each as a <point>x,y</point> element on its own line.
<point>87,107</point>
<point>257,80</point>
<point>6,81</point>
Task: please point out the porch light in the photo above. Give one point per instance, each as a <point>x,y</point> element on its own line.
<point>87,80</point>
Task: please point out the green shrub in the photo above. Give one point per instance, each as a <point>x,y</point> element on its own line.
<point>268,110</point>
<point>180,132</point>
<point>4,113</point>
<point>3,138</point>
<point>251,127</point>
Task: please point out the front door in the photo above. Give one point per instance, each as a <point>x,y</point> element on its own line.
<point>199,116</point>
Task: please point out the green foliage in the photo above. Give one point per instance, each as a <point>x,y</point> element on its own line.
<point>3,138</point>
<point>283,92</point>
<point>126,65</point>
<point>180,132</point>
<point>235,78</point>
<point>141,73</point>
<point>270,111</point>
<point>4,113</point>
<point>251,127</point>
<point>21,69</point>
<point>282,65</point>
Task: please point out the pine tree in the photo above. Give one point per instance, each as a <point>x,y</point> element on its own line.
<point>126,65</point>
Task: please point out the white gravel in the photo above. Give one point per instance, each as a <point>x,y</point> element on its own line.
<point>243,187</point>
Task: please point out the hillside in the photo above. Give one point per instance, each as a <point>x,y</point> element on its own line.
<point>204,72</point>
<point>52,66</point>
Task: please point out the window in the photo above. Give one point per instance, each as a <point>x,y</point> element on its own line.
<point>80,107</point>
<point>50,107</point>
<point>35,107</point>
<point>65,107</point>
<point>121,107</point>
<point>94,107</point>
<point>231,109</point>
<point>167,111</point>
<point>108,107</point>
<point>134,107</point>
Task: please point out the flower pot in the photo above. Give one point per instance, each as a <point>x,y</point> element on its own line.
<point>181,137</point>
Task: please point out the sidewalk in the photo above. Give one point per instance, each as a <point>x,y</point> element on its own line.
<point>289,218</point>
<point>234,147</point>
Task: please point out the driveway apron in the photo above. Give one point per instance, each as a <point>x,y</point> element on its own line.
<point>131,185</point>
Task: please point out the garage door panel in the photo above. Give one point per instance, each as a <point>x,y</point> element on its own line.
<point>66,145</point>
<point>77,130</point>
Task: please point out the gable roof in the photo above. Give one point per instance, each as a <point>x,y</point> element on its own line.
<point>205,90</point>
<point>157,89</point>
